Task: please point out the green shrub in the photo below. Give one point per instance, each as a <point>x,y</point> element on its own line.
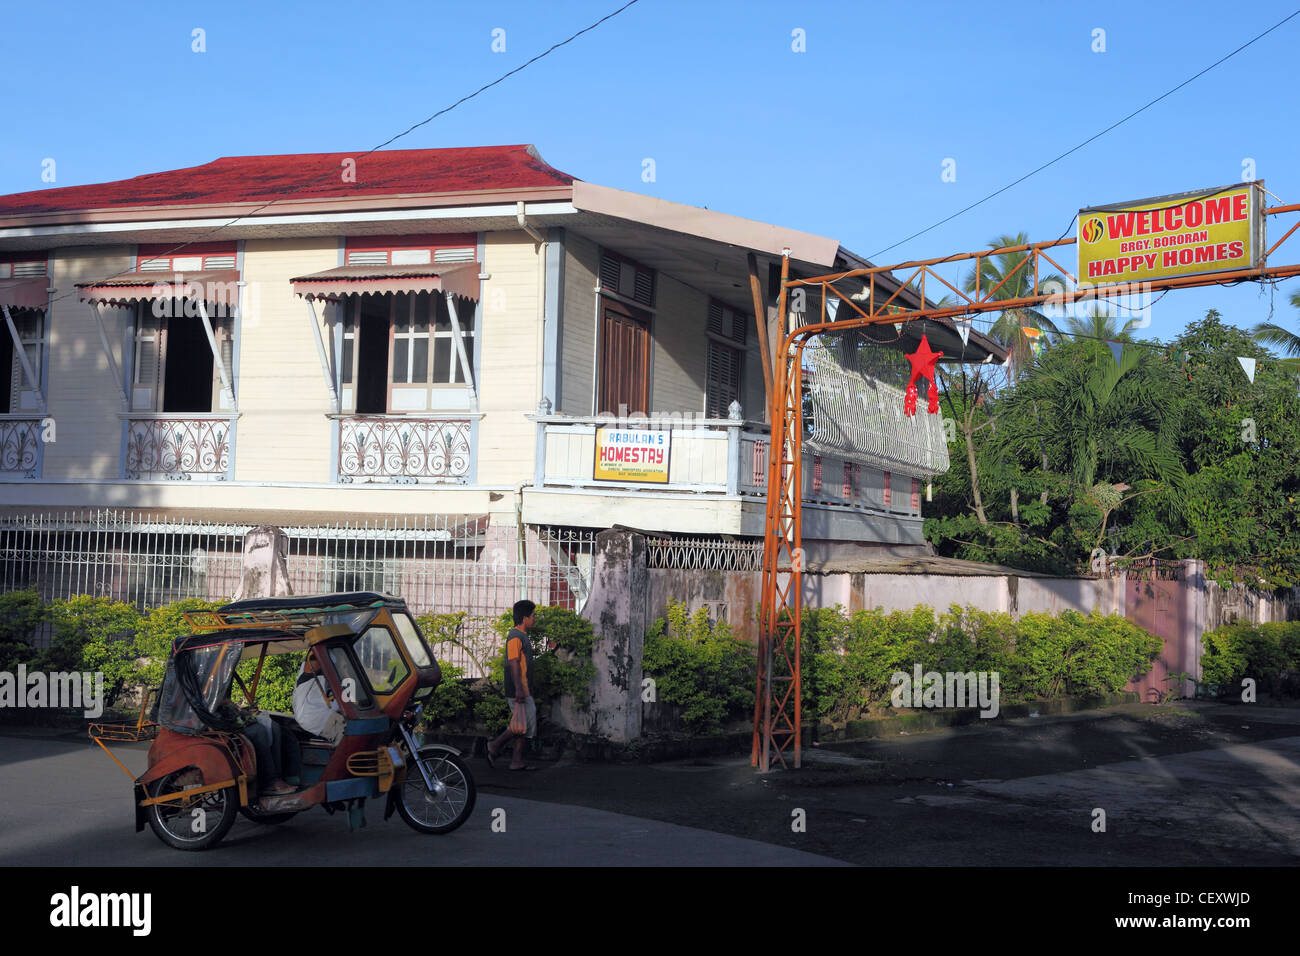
<point>1268,653</point>
<point>567,669</point>
<point>850,658</point>
<point>451,701</point>
<point>1077,655</point>
<point>700,667</point>
<point>492,712</point>
<point>158,629</point>
<point>93,634</point>
<point>21,613</point>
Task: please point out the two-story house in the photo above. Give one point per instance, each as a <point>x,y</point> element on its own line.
<point>306,340</point>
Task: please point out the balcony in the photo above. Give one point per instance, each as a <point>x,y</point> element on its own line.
<point>397,449</point>
<point>178,447</point>
<point>20,447</point>
<point>715,482</point>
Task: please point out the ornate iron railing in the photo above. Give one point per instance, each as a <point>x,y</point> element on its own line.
<point>182,448</point>
<point>399,449</point>
<point>704,554</point>
<point>20,447</point>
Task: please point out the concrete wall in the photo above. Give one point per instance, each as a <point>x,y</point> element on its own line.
<point>739,592</point>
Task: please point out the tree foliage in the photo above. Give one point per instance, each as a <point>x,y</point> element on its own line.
<point>1172,453</point>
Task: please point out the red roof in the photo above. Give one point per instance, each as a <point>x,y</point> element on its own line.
<point>242,179</point>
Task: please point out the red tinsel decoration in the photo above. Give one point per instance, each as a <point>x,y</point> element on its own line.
<point>922,367</point>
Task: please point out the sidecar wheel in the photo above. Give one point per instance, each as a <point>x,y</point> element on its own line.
<point>195,823</point>
<point>445,808</point>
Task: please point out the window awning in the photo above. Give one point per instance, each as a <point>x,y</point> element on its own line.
<point>220,286</point>
<point>458,278</point>
<point>28,292</point>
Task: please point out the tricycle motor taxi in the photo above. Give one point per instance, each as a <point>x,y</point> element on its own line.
<point>380,673</point>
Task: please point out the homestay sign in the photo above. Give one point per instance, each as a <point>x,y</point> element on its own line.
<point>632,454</point>
<point>1211,230</point>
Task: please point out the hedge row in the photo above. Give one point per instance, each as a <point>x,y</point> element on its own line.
<point>849,658</point>
<point>1267,653</point>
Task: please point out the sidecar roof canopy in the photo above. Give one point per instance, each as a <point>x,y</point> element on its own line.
<point>307,603</point>
<point>281,623</point>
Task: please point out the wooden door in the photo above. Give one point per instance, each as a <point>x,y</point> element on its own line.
<point>624,359</point>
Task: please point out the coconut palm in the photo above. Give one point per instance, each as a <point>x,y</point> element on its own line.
<point>1018,274</point>
<point>1285,341</point>
<point>1097,416</point>
<point>1101,326</point>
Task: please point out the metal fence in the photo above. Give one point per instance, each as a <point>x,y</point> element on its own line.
<point>704,554</point>
<point>439,564</point>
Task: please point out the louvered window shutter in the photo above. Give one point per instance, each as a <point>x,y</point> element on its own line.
<point>715,319</point>
<point>723,386</point>
<point>609,272</point>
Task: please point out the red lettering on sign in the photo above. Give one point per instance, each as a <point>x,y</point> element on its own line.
<point>1218,210</point>
<point>1119,227</point>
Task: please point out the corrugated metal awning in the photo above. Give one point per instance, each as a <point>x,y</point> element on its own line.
<point>28,292</point>
<point>458,278</point>
<point>219,285</point>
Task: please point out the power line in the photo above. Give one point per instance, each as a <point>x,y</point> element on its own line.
<point>1090,139</point>
<point>392,139</point>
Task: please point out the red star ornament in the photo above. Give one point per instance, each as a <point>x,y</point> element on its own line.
<point>922,367</point>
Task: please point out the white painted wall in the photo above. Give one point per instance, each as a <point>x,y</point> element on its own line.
<point>84,400</point>
<point>283,433</point>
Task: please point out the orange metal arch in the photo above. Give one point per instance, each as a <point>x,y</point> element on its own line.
<point>778,717</point>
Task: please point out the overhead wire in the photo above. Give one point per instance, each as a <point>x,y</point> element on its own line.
<point>1090,139</point>
<point>392,139</point>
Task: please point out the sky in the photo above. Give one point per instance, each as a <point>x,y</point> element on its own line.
<point>848,137</point>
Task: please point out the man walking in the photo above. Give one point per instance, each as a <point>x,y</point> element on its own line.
<point>519,686</point>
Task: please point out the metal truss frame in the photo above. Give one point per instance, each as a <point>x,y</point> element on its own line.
<point>778,716</point>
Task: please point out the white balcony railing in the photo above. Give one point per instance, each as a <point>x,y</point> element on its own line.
<point>396,449</point>
<point>720,456</point>
<point>20,447</point>
<point>178,447</point>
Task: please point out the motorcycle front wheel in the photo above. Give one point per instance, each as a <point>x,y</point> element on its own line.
<point>448,804</point>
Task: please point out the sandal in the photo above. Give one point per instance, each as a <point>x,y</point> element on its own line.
<point>526,766</point>
<point>491,757</point>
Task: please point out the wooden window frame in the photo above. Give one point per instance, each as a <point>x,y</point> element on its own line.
<point>350,322</point>
<point>223,330</point>
<point>634,313</point>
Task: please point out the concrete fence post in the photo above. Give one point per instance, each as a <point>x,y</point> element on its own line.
<point>265,570</point>
<point>620,588</point>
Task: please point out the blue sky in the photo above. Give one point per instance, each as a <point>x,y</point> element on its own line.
<point>847,139</point>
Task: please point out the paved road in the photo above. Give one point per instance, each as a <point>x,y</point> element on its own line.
<point>66,803</point>
<point>1186,785</point>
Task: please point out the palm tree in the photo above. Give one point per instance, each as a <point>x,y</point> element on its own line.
<point>1101,326</point>
<point>1018,273</point>
<point>1287,342</point>
<point>1097,415</point>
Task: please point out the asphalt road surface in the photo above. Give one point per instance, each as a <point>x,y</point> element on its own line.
<point>1183,785</point>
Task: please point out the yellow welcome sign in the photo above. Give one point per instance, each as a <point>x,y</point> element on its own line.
<point>1211,230</point>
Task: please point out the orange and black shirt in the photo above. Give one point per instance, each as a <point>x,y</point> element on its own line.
<point>519,648</point>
